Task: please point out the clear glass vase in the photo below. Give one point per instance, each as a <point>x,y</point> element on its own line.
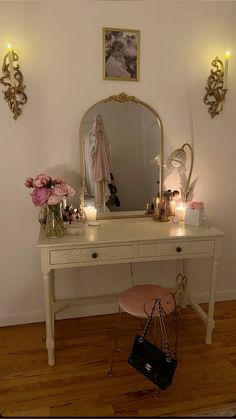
<point>42,217</point>
<point>54,224</point>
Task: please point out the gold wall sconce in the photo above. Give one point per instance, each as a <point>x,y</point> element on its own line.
<point>216,88</point>
<point>12,78</point>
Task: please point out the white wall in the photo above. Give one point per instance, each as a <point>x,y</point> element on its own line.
<point>59,44</point>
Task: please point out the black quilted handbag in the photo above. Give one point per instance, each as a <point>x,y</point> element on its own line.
<point>155,364</point>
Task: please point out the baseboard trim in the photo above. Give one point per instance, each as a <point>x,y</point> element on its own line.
<point>23,317</point>
<point>228,295</point>
<point>92,308</point>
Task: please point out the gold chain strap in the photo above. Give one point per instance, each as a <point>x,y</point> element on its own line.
<point>164,338</point>
<point>180,287</point>
<point>162,328</point>
<point>146,327</point>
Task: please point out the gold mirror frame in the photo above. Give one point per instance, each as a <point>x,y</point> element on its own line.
<point>122,98</point>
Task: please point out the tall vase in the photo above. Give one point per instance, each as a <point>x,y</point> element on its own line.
<point>42,217</point>
<point>54,223</point>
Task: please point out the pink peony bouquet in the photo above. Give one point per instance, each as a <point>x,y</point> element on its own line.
<point>47,190</point>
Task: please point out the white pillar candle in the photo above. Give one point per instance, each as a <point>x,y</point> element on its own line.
<point>90,213</point>
<point>11,68</point>
<point>157,201</point>
<point>226,69</point>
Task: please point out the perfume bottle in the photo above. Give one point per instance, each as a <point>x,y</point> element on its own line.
<point>162,210</point>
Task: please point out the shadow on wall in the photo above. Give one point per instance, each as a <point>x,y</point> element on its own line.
<point>71,177</point>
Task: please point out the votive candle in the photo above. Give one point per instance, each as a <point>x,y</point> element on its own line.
<point>180,211</point>
<point>90,213</point>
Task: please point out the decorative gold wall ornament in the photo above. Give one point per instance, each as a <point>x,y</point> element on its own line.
<point>13,79</point>
<point>122,97</point>
<point>216,87</point>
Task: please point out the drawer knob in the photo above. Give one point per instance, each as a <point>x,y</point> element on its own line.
<point>178,249</point>
<point>94,255</point>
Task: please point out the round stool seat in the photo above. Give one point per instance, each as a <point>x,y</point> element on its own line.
<point>139,299</point>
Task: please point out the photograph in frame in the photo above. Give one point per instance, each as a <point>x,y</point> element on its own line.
<point>120,54</point>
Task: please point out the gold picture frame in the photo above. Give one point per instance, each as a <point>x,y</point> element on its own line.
<point>120,54</point>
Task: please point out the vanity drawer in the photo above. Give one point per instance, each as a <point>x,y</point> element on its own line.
<point>176,248</point>
<point>65,256</point>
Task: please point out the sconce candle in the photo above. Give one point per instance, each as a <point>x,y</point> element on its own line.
<point>11,68</point>
<point>216,88</point>
<point>12,79</point>
<point>226,69</point>
<point>90,213</point>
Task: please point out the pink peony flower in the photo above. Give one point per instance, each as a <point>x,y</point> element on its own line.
<point>70,191</point>
<point>42,180</point>
<point>63,190</point>
<point>60,190</point>
<point>58,181</point>
<point>40,196</point>
<point>47,190</point>
<point>29,182</point>
<point>54,200</point>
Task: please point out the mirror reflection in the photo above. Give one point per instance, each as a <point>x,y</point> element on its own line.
<point>120,141</point>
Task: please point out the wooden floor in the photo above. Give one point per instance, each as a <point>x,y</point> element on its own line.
<point>78,385</point>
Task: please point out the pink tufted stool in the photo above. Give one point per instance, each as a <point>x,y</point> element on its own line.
<point>138,301</point>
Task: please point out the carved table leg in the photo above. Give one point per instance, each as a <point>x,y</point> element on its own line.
<point>211,303</point>
<point>184,299</point>
<point>49,317</point>
<point>52,299</point>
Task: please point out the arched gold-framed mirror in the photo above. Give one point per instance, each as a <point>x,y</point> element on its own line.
<point>130,132</point>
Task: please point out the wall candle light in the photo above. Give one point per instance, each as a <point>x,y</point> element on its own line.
<point>217,86</point>
<point>12,78</point>
<point>10,60</point>
<point>227,54</point>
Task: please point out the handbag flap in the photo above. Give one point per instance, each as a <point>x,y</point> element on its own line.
<point>152,362</point>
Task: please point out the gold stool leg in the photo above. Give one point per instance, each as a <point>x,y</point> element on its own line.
<point>115,341</point>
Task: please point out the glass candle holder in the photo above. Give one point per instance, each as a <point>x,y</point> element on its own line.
<point>180,212</point>
<point>90,213</point>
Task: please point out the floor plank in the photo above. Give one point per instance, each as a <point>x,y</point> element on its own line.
<point>79,384</point>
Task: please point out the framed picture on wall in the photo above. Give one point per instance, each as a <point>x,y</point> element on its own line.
<point>120,59</point>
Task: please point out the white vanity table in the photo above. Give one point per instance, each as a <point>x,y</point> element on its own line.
<point>123,241</point>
